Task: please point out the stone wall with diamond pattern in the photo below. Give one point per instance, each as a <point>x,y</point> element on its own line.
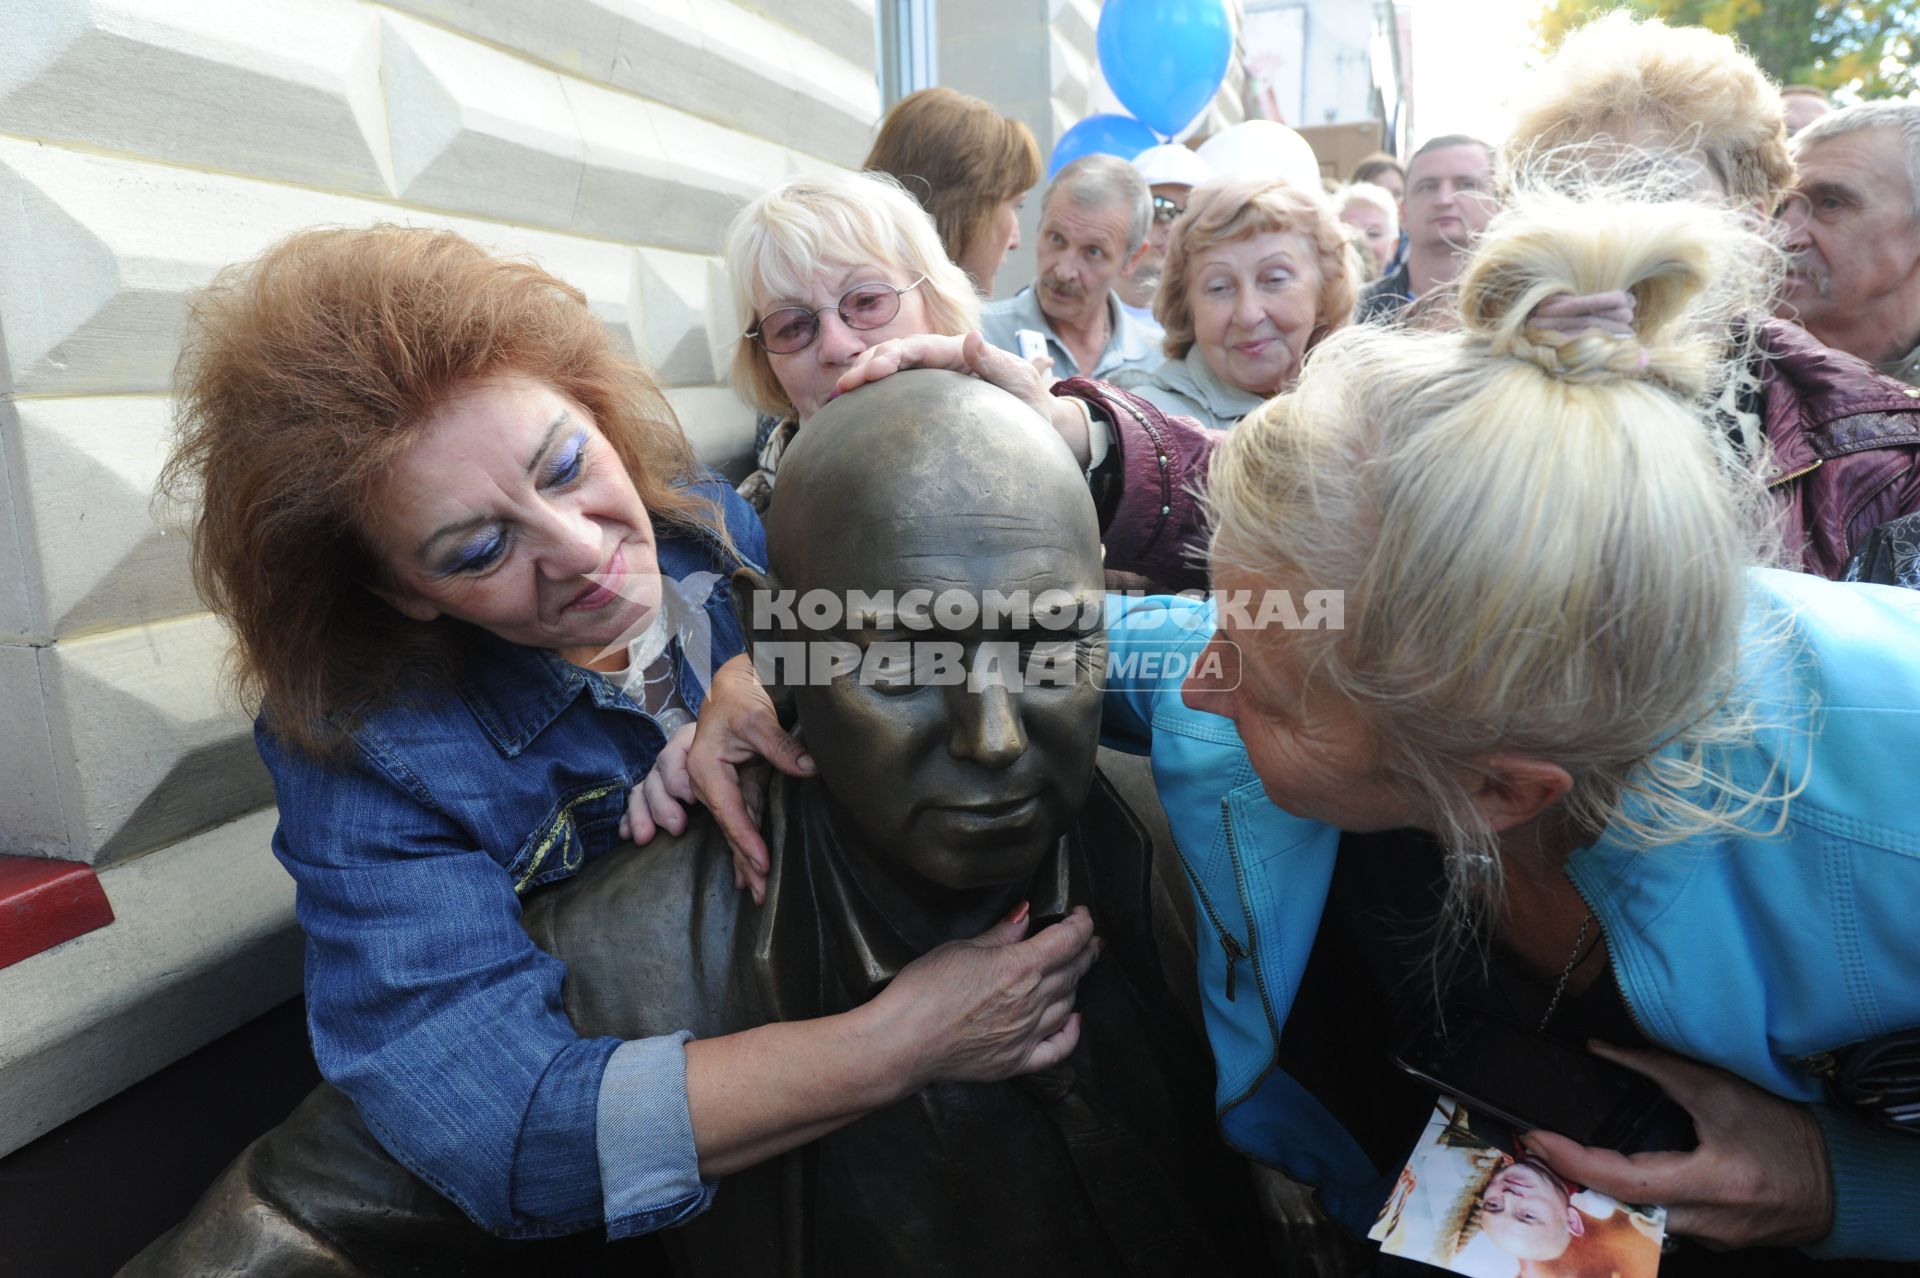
<point>143,145</point>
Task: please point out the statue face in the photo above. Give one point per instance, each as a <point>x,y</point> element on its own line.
<point>962,751</point>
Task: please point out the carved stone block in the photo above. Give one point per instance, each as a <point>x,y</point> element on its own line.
<point>675,316</point>
<point>289,90</point>
<point>476,130</point>
<point>97,257</point>
<point>146,747</point>
<point>96,558</point>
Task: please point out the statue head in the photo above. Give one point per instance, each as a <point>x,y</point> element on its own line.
<point>943,636</point>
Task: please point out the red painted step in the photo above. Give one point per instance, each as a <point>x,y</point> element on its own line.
<point>43,903</point>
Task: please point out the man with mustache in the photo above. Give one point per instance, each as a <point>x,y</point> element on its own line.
<point>1853,226</point>
<point>1093,233</point>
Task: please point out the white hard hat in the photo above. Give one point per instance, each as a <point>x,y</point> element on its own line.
<point>1172,164</point>
<point>1263,148</point>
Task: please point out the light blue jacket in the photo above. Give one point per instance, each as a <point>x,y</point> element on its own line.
<point>1746,951</point>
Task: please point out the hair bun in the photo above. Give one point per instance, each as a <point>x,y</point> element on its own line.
<point>1576,357</point>
<point>1691,269</point>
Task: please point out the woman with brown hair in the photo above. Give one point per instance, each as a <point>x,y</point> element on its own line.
<point>474,573</point>
<point>969,166</point>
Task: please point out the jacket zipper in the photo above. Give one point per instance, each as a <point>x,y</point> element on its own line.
<point>1804,470</point>
<point>1227,940</point>
<point>1229,944</point>
<point>1240,889</point>
<point>1820,1064</point>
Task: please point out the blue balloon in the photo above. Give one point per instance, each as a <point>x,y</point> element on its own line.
<point>1120,135</point>
<point>1165,59</point>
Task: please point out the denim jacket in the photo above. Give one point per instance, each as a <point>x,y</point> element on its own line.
<point>428,1004</point>
<point>1754,952</point>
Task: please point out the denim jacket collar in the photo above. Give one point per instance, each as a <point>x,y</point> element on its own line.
<point>516,692</point>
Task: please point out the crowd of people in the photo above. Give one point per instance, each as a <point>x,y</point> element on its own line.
<point>1606,439</point>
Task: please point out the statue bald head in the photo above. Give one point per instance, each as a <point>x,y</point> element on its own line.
<point>956,733</point>
<point>910,450</point>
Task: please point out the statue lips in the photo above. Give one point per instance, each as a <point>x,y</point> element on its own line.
<point>999,817</point>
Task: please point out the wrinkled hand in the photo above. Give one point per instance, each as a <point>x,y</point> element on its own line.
<point>1759,1176</point>
<point>974,354</point>
<point>995,1006</point>
<point>1610,313</point>
<point>738,728</point>
<point>658,802</point>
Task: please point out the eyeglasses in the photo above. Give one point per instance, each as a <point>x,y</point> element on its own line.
<point>864,306</point>
<point>1166,208</point>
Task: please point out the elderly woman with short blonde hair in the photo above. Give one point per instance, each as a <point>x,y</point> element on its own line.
<point>822,268</point>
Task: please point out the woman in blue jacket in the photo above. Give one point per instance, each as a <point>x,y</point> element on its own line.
<point>474,576</point>
<point>1666,794</point>
<point>1487,625</point>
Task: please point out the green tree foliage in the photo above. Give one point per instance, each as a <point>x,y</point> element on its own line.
<point>1861,49</point>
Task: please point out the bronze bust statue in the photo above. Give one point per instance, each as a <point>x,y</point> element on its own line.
<point>956,752</point>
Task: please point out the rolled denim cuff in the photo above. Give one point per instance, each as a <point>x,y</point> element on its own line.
<point>1876,1190</point>
<point>649,1169</point>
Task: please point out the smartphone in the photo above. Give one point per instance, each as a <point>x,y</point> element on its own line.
<point>1030,342</point>
<point>1530,1081</point>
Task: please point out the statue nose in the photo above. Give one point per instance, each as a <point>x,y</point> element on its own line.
<point>986,720</point>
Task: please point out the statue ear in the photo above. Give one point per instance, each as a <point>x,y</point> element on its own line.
<point>758,607</point>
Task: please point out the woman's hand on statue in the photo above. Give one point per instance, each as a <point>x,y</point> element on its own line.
<point>738,729</point>
<point>995,1006</point>
<point>659,801</point>
<point>975,355</point>
<point>1759,1176</point>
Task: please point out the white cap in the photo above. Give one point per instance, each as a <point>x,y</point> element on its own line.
<point>1263,148</point>
<point>1172,164</point>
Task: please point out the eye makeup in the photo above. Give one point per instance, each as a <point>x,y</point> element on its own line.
<point>485,548</point>
<point>567,462</point>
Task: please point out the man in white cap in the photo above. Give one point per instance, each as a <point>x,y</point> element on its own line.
<point>1171,171</point>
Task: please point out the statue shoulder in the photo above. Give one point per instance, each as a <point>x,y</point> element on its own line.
<point>647,935</point>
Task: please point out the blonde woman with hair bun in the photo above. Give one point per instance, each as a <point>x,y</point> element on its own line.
<point>1691,111</point>
<point>1491,670</point>
<point>1558,719</point>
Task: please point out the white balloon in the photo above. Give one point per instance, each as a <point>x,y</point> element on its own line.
<point>1263,148</point>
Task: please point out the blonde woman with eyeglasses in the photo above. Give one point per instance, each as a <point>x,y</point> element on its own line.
<point>823,267</point>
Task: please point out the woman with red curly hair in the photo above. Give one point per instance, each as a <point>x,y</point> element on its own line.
<point>475,576</point>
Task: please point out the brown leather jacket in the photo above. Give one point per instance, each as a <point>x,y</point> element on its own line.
<point>1846,446</point>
